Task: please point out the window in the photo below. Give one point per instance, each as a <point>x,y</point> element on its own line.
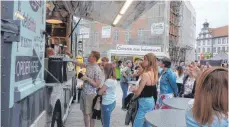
<point>219,41</point>
<point>127,36</point>
<point>140,33</point>
<point>200,43</point>
<point>223,42</point>
<point>214,50</point>
<point>198,50</point>
<point>116,35</point>
<point>218,49</point>
<point>223,49</point>
<point>198,57</point>
<point>208,50</point>
<point>203,42</point>
<point>209,43</point>
<point>203,50</point>
<point>204,35</point>
<point>213,41</point>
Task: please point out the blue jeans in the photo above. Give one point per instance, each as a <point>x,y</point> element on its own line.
<point>106,114</point>
<point>124,86</point>
<point>144,105</point>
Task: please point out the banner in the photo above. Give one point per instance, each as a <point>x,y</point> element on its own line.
<point>84,32</point>
<point>157,28</point>
<point>106,31</point>
<point>139,48</point>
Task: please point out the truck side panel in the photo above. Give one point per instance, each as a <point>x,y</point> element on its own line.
<point>23,92</point>
<point>6,113</point>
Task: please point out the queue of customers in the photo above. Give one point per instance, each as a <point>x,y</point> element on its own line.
<point>156,82</point>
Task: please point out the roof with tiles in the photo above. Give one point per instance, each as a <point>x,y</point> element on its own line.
<point>219,32</point>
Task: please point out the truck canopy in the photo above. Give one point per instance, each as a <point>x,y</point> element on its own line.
<point>106,11</point>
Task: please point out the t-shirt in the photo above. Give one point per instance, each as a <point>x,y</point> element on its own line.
<point>110,95</point>
<point>191,122</point>
<point>180,79</point>
<point>126,70</point>
<point>118,73</point>
<point>188,86</point>
<point>94,72</point>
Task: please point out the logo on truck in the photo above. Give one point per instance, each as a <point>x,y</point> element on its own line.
<point>35,5</point>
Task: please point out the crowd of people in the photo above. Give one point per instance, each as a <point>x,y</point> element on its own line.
<point>156,80</point>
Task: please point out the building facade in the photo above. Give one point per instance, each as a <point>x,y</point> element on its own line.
<point>158,27</point>
<point>150,29</point>
<point>182,31</point>
<point>188,31</point>
<point>211,41</point>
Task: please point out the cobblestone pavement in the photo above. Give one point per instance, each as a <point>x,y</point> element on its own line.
<point>75,117</point>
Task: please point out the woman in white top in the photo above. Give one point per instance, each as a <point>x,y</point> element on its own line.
<point>179,77</point>
<point>108,91</point>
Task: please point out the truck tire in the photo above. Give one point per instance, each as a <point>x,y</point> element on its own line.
<point>56,117</point>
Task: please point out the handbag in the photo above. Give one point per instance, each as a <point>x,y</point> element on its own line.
<point>132,111</point>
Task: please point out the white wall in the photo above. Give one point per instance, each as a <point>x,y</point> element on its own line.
<point>188,29</point>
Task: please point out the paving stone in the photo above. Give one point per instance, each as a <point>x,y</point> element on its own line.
<point>75,117</point>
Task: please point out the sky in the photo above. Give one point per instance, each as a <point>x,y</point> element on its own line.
<point>214,11</point>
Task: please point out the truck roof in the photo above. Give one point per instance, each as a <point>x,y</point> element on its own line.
<point>106,11</point>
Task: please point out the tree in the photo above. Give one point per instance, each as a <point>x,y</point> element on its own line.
<point>207,55</point>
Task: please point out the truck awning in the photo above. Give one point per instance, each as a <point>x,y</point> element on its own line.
<point>106,11</point>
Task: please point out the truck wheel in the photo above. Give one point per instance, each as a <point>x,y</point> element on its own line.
<point>56,117</point>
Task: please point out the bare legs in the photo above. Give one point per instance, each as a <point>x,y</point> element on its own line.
<point>92,122</point>
<point>88,121</point>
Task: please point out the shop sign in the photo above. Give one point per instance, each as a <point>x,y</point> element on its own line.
<point>138,48</point>
<point>27,57</point>
<point>27,67</point>
<point>106,31</point>
<point>84,32</point>
<point>157,28</point>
